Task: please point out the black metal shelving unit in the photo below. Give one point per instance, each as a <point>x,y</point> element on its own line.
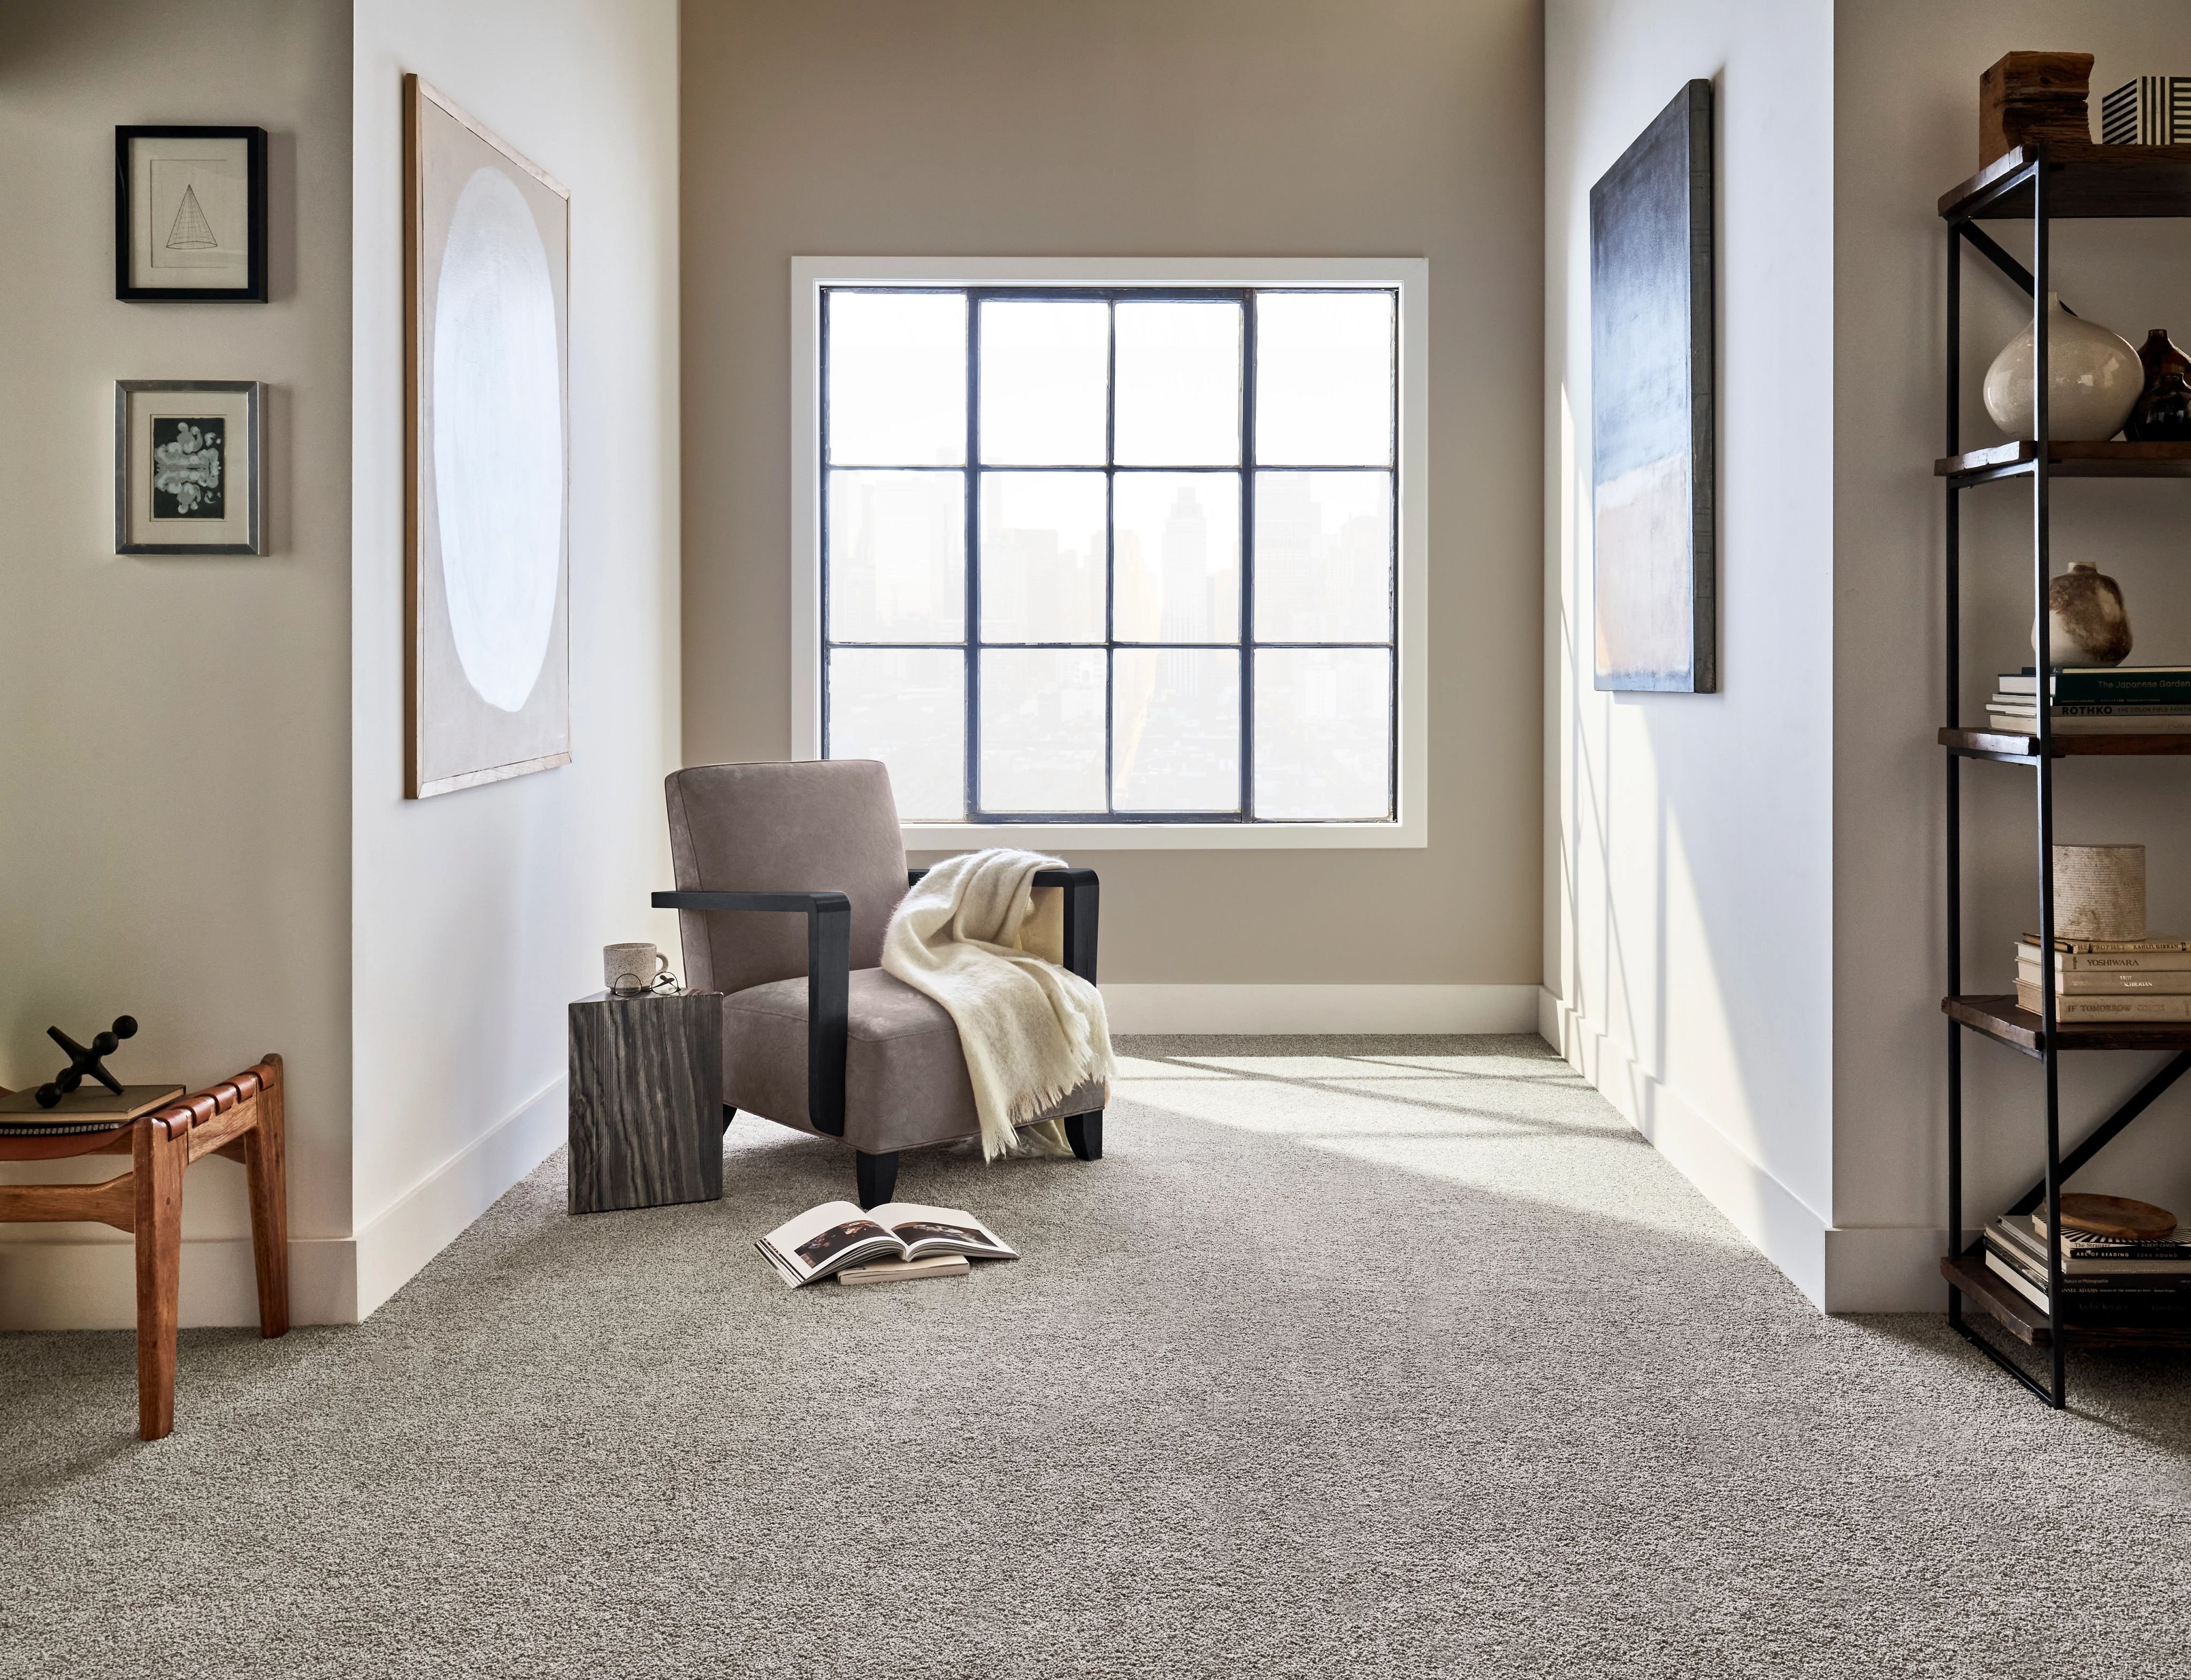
<point>2041,184</point>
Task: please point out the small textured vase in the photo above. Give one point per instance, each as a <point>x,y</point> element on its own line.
<point>2096,380</point>
<point>2099,892</point>
<point>2087,625</point>
<point>2163,413</point>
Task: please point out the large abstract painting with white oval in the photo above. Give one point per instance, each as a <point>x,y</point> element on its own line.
<point>487,252</point>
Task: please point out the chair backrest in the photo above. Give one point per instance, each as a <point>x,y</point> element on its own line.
<point>829,825</point>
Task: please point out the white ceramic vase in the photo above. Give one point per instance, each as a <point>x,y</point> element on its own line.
<point>2097,379</point>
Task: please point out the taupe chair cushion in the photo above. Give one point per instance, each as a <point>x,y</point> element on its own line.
<point>828,826</point>
<point>822,826</point>
<point>905,1076</point>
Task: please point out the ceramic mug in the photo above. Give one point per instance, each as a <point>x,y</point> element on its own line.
<point>629,969</point>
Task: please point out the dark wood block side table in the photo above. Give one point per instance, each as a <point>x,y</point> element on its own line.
<point>647,1100</point>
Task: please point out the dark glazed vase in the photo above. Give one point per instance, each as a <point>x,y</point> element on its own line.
<point>2163,414</point>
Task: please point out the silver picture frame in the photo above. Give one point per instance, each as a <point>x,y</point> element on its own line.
<point>141,485</point>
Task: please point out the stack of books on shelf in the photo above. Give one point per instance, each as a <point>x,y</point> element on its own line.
<point>2110,979</point>
<point>2108,1280</point>
<point>2096,700</point>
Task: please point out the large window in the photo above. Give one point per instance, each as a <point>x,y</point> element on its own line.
<point>1116,555</point>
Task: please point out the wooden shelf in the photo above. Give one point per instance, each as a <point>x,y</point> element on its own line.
<point>2085,180</point>
<point>2028,1325</point>
<point>1991,743</point>
<point>2068,460</point>
<point>1998,1016</point>
<point>2016,1315</point>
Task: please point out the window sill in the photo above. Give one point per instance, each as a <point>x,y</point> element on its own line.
<point>1063,837</point>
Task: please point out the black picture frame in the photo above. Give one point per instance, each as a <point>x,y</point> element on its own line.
<point>253,290</point>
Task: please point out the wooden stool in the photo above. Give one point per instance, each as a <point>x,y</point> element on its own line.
<point>240,1117</point>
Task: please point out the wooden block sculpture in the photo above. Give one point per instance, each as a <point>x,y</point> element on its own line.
<point>647,1100</point>
<point>240,1117</point>
<point>2028,97</point>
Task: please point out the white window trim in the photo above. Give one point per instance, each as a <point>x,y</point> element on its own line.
<point>1409,275</point>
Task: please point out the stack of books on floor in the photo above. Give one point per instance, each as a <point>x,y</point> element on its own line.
<point>2096,700</point>
<point>2110,979</point>
<point>2105,1280</point>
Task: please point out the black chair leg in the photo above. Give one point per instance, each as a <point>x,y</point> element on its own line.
<point>1084,1132</point>
<point>729,1114</point>
<point>878,1176</point>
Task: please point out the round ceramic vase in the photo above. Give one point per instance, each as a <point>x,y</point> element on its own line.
<point>2096,377</point>
<point>2087,624</point>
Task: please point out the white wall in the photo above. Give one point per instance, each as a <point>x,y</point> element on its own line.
<point>1688,858</point>
<point>174,747</point>
<point>1906,132</point>
<point>477,915</point>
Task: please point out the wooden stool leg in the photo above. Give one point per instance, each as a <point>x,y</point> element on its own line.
<point>265,1159</point>
<point>160,1159</point>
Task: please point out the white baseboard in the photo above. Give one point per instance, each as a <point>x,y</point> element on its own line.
<point>394,1246</point>
<point>1886,1268</point>
<point>90,1282</point>
<point>1846,1269</point>
<point>1138,1007</point>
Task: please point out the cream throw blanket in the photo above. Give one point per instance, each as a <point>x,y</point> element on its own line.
<point>972,934</point>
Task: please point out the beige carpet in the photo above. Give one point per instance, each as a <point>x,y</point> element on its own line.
<point>1357,1357</point>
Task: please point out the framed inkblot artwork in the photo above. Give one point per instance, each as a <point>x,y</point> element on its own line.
<point>187,467</point>
<point>189,215</point>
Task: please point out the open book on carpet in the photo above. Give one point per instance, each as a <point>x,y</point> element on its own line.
<point>824,1240</point>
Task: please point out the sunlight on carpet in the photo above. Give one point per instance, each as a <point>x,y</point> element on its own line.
<point>1465,1119</point>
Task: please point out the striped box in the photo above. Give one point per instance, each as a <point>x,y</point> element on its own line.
<point>2152,111</point>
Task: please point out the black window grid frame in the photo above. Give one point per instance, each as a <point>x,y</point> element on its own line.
<point>972,469</point>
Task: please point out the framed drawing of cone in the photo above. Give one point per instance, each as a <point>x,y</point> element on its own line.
<point>487,411</point>
<point>189,215</point>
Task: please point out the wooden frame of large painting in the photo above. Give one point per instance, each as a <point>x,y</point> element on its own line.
<point>1652,385</point>
<point>488,425</point>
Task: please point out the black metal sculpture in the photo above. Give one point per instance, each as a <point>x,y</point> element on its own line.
<point>83,1060</point>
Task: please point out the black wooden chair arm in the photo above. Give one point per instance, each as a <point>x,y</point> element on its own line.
<point>823,903</point>
<point>829,984</point>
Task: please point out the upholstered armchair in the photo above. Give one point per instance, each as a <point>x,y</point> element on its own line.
<point>787,875</point>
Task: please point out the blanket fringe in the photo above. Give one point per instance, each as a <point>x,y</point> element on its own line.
<point>1041,1137</point>
<point>968,936</point>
